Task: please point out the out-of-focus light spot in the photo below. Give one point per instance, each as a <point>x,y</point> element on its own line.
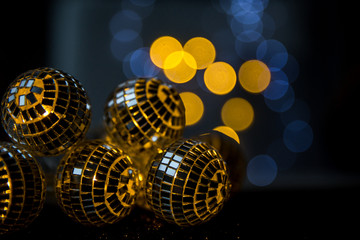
<point>273,53</point>
<point>282,104</point>
<point>162,47</point>
<point>142,3</point>
<point>278,86</point>
<point>255,6</point>
<point>299,111</point>
<point>237,113</point>
<point>298,136</point>
<point>141,64</point>
<point>261,170</point>
<point>248,11</point>
<point>202,50</point>
<point>194,107</point>
<point>254,76</point>
<point>246,32</point>
<point>125,20</point>
<point>284,158</point>
<point>183,67</point>
<point>291,68</point>
<point>220,78</point>
<point>126,35</point>
<point>247,17</point>
<point>120,49</point>
<point>276,89</point>
<point>228,131</point>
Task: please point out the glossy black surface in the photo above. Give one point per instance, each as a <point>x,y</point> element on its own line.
<point>303,214</point>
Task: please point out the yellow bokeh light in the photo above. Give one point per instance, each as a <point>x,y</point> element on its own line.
<point>237,113</point>
<point>228,131</point>
<point>183,67</point>
<point>220,78</point>
<point>202,50</point>
<point>194,107</point>
<point>254,76</point>
<point>162,48</point>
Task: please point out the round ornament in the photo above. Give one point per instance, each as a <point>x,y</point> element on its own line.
<point>22,188</point>
<point>188,183</point>
<point>143,115</point>
<point>96,183</point>
<point>46,111</point>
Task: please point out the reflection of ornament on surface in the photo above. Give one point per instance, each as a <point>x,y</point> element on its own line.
<point>96,183</point>
<point>142,115</point>
<point>22,188</point>
<point>188,183</point>
<point>46,111</point>
<point>232,153</point>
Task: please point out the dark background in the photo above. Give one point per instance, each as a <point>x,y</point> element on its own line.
<point>325,203</point>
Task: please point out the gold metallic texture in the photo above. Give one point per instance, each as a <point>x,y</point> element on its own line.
<point>143,115</point>
<point>46,111</point>
<point>96,183</point>
<point>188,183</point>
<point>22,188</point>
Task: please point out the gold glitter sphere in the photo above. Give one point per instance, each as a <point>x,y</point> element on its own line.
<point>46,111</point>
<point>22,188</point>
<point>232,153</point>
<point>142,115</point>
<point>96,183</point>
<point>188,183</point>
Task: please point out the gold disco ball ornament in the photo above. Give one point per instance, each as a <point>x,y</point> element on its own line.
<point>232,153</point>
<point>144,115</point>
<point>22,188</point>
<point>96,183</point>
<point>188,183</point>
<point>46,111</point>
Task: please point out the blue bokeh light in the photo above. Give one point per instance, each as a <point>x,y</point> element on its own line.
<point>261,170</point>
<point>141,64</point>
<point>278,86</point>
<point>298,136</point>
<point>282,104</point>
<point>120,49</point>
<point>273,53</point>
<point>125,19</point>
<point>246,32</point>
<point>126,35</point>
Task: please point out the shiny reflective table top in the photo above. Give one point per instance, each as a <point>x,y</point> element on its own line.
<point>303,214</point>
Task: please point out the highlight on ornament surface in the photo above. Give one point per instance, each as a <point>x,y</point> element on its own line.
<point>142,115</point>
<point>188,183</point>
<point>96,183</point>
<point>22,188</point>
<point>226,141</point>
<point>46,111</point>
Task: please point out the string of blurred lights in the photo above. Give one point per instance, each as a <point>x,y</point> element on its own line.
<point>267,69</point>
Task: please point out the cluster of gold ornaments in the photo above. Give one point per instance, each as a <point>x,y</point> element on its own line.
<point>46,112</point>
